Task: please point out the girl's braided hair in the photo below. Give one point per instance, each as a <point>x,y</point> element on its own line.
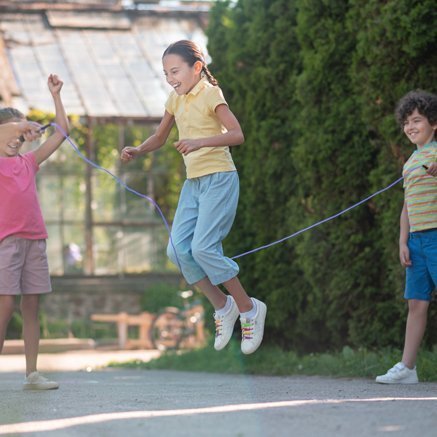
<point>190,53</point>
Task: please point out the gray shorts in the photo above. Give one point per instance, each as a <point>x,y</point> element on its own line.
<point>23,267</point>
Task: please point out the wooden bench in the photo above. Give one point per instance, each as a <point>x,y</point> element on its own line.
<point>123,320</point>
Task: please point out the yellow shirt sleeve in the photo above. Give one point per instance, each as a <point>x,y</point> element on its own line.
<point>214,97</point>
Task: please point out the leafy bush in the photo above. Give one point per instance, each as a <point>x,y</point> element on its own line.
<point>314,84</point>
<point>159,296</point>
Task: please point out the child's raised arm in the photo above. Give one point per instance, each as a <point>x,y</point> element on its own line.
<point>55,140</point>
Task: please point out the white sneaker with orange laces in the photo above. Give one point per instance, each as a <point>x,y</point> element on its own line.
<point>224,326</point>
<point>252,329</point>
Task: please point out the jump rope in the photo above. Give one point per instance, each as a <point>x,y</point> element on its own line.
<point>167,226</point>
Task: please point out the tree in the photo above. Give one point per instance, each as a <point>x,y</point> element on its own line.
<point>258,75</point>
<point>314,84</point>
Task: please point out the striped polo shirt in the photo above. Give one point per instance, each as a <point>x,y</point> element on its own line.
<point>421,189</point>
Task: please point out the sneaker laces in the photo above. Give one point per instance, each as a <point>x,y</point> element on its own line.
<point>247,328</point>
<point>218,325</point>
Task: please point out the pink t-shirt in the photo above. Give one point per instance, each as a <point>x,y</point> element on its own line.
<point>20,213</point>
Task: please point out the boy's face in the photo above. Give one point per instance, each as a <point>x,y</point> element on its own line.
<point>418,129</point>
<point>11,147</point>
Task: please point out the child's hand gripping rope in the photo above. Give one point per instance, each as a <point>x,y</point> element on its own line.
<point>33,134</point>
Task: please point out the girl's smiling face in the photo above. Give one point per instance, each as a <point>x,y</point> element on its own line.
<point>11,148</point>
<point>179,74</point>
<point>418,129</point>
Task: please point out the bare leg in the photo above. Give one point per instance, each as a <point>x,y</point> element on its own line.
<point>416,324</point>
<point>237,291</point>
<point>29,310</point>
<point>218,298</point>
<point>6,311</point>
<point>212,293</point>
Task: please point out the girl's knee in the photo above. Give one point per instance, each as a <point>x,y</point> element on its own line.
<point>7,304</point>
<point>29,302</point>
<point>199,253</point>
<point>171,253</point>
<point>177,254</point>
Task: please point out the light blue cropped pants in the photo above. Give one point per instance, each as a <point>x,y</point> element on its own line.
<point>204,217</point>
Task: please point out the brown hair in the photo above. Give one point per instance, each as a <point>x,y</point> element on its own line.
<point>10,114</point>
<point>424,102</point>
<point>190,53</point>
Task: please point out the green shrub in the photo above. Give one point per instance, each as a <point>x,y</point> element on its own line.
<point>314,84</point>
<point>159,296</point>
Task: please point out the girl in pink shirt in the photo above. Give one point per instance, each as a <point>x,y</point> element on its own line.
<point>23,260</point>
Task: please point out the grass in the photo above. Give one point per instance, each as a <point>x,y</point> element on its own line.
<point>270,360</point>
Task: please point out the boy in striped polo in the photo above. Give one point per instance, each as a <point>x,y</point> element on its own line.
<point>417,114</point>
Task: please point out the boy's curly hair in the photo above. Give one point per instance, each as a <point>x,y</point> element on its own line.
<point>424,102</point>
<point>10,114</point>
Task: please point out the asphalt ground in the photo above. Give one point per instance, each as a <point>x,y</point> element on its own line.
<point>114,402</point>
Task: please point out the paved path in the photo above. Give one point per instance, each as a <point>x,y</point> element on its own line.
<point>75,360</point>
<point>163,403</point>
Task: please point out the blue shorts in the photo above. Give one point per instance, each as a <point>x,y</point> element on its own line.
<point>422,275</point>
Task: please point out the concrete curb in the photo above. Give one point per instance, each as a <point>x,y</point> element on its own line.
<point>51,345</point>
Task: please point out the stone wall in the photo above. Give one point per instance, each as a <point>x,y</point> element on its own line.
<point>78,298</point>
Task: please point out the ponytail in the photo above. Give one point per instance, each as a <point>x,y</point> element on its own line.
<point>211,79</point>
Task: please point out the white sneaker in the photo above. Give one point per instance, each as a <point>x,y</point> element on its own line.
<point>252,330</point>
<point>35,381</point>
<point>399,374</point>
<point>224,326</point>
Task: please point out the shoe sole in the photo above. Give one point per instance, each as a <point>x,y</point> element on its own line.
<point>40,387</point>
<point>225,343</point>
<point>263,311</point>
<point>396,382</point>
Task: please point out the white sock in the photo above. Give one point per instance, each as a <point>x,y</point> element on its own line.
<point>251,313</point>
<point>226,308</point>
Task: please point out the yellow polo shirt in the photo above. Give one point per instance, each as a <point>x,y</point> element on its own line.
<point>195,118</point>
